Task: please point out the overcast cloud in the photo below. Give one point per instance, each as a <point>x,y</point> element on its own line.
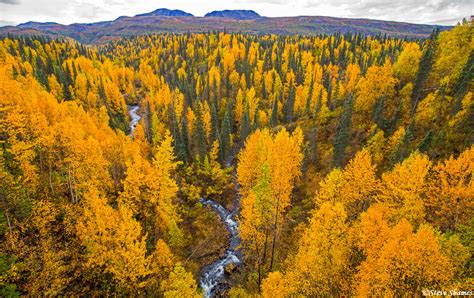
<point>78,11</point>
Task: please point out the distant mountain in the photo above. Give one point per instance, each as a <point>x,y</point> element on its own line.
<point>245,21</point>
<point>164,12</point>
<point>234,14</point>
<point>36,24</point>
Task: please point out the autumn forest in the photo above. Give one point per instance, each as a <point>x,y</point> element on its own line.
<point>237,165</point>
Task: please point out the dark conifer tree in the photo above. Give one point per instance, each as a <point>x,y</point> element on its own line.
<point>319,103</point>
<point>343,133</point>
<point>377,114</point>
<point>308,99</point>
<point>426,142</point>
<point>200,136</point>
<point>184,137</point>
<point>290,103</point>
<point>244,126</point>
<point>148,116</point>
<point>313,154</point>
<point>402,150</point>
<point>214,124</point>
<point>225,135</point>
<point>256,120</point>
<point>462,84</point>
<point>424,69</point>
<point>274,116</point>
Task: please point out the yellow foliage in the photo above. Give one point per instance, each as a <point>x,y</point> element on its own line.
<point>453,51</point>
<point>402,261</point>
<point>404,186</point>
<point>322,263</point>
<point>406,66</point>
<point>179,284</point>
<point>354,187</point>
<point>113,241</point>
<point>46,264</point>
<point>275,286</point>
<point>377,83</point>
<point>266,172</point>
<point>451,191</point>
<point>149,189</point>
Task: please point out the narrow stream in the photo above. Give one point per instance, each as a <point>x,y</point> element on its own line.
<point>134,118</point>
<point>212,276</point>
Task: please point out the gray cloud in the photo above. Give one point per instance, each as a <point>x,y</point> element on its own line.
<point>263,1</point>
<point>90,11</point>
<point>450,21</point>
<point>6,23</point>
<point>417,11</point>
<point>69,11</point>
<point>13,2</point>
<point>414,11</point>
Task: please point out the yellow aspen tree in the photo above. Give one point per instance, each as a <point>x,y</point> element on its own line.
<point>180,284</point>
<point>377,146</point>
<point>351,78</point>
<point>403,262</point>
<point>47,269</point>
<point>256,221</point>
<point>360,184</point>
<point>252,100</point>
<point>330,188</point>
<point>251,160</point>
<point>354,187</point>
<point>149,191</point>
<point>164,189</point>
<point>378,82</point>
<point>275,286</point>
<point>450,195</point>
<point>282,155</point>
<point>113,242</point>
<point>55,88</point>
<point>403,188</point>
<point>322,262</point>
<point>162,261</point>
<point>140,138</point>
<point>239,106</point>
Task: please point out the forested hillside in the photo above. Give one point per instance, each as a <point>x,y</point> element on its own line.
<point>347,161</point>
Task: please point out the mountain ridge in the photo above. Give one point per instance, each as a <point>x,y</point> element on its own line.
<point>165,12</point>
<point>239,14</point>
<point>239,21</point>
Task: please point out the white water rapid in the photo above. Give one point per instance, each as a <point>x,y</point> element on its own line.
<point>213,275</point>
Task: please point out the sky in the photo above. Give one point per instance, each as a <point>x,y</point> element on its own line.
<point>443,12</point>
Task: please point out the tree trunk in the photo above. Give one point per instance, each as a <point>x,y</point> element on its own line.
<point>274,234</point>
<point>9,223</point>
<point>71,192</point>
<point>10,228</point>
<point>258,265</point>
<point>74,184</point>
<point>50,177</point>
<point>264,257</point>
